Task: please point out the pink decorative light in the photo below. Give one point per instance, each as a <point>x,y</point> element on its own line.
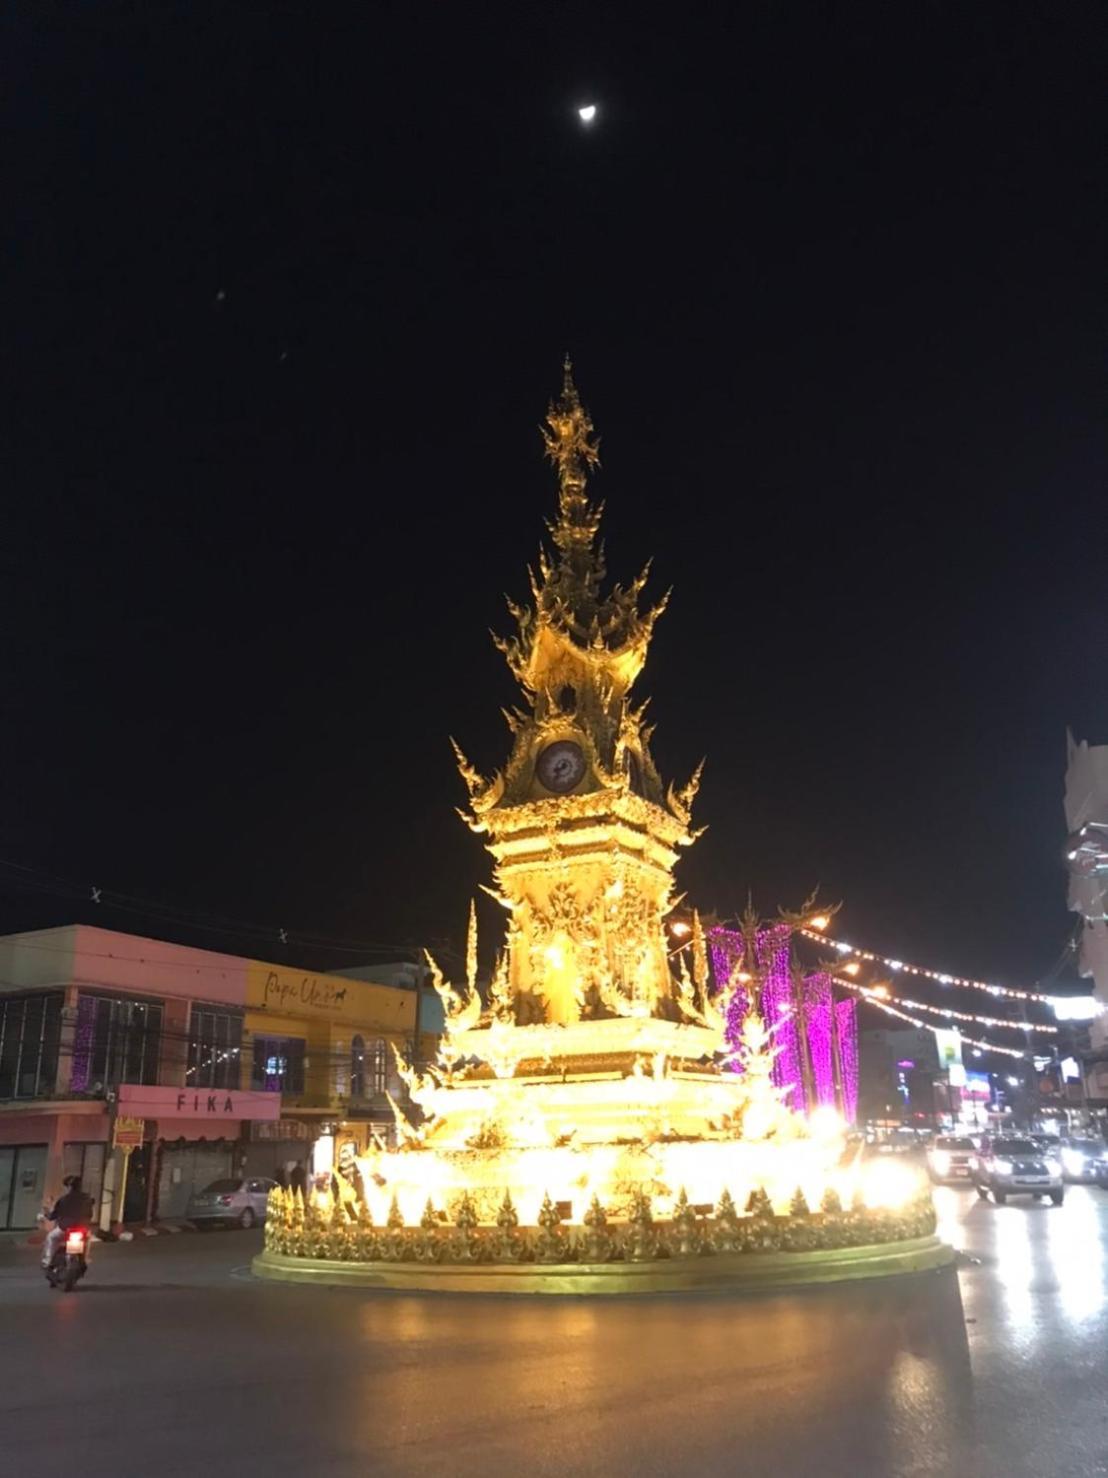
<point>817,1009</point>
<point>772,954</point>
<point>847,1022</point>
<point>725,947</point>
<point>83,1037</point>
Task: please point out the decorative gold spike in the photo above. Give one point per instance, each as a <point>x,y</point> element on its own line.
<point>567,442</point>
<point>475,783</point>
<point>642,1237</point>
<point>700,957</point>
<point>686,1228</point>
<point>471,949</point>
<point>500,991</point>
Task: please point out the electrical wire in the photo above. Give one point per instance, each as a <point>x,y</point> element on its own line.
<point>40,880</point>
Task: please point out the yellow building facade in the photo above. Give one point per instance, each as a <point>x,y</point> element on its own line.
<point>326,1044</point>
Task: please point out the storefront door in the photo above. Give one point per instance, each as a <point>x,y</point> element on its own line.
<point>134,1197</point>
<point>186,1168</point>
<point>22,1185</point>
<point>87,1161</point>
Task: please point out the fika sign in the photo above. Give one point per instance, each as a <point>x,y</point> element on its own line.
<point>208,1104</point>
<point>220,1103</point>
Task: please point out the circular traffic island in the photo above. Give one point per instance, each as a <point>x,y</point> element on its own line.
<point>723,1251</point>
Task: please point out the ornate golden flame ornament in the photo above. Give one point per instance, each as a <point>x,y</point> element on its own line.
<point>588,1112</point>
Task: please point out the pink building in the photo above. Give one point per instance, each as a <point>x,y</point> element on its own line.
<point>96,1026</point>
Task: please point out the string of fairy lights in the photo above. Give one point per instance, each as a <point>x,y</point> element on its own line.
<point>948,1012</point>
<point>905,1008</point>
<point>964,982</point>
<point>871,996</point>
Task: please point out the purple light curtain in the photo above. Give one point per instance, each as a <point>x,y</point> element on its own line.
<point>771,951</point>
<point>83,1034</point>
<point>817,1009</point>
<point>847,1020</point>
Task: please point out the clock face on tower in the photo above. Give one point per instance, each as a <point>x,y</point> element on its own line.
<point>560,766</point>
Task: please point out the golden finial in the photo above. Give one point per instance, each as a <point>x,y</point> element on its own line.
<point>569,389</point>
<point>568,443</point>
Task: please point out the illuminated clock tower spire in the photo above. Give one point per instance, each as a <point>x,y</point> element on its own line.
<point>570,447</point>
<point>584,835</point>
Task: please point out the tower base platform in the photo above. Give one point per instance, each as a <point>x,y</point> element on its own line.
<point>721,1273</point>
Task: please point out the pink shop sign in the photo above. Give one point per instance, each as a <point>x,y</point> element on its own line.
<point>197,1103</point>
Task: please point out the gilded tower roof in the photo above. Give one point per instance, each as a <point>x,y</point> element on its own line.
<point>577,648</point>
<point>569,600</point>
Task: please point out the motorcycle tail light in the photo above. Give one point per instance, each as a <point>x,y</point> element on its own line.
<point>75,1241</point>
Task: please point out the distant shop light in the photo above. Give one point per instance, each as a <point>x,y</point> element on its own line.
<point>1075,1008</point>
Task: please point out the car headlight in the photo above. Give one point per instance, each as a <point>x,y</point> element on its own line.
<point>940,1161</point>
<point>1073,1160</point>
<point>1002,1167</point>
<point>1053,1166</point>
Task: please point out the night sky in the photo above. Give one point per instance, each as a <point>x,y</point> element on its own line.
<point>287,293</point>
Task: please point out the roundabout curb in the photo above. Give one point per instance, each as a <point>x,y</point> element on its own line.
<point>733,1272</point>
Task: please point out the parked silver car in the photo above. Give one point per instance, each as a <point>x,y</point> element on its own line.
<point>240,1202</point>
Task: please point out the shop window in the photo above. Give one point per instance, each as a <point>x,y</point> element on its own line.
<point>29,1030</point>
<point>278,1065</point>
<point>377,1066</point>
<point>116,1041</point>
<point>368,1067</point>
<point>357,1067</point>
<point>215,1049</point>
<point>87,1161</point>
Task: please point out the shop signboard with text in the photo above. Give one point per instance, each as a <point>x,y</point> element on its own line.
<point>140,1101</point>
<point>283,992</point>
<point>127,1132</point>
<point>949,1045</point>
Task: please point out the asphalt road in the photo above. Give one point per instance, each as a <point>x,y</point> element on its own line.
<point>170,1359</point>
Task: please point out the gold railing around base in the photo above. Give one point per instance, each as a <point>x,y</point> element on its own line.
<point>344,1233</point>
<point>722,1273</point>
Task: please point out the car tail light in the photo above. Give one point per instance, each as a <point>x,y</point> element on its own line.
<point>76,1239</point>
<point>224,1200</point>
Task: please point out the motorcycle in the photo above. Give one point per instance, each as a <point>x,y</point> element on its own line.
<point>70,1261</point>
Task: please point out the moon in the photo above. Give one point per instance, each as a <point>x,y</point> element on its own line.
<point>587,113</point>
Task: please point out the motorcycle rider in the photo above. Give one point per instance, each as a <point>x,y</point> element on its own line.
<point>73,1208</point>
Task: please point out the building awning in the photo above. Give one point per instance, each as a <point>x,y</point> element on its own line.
<point>198,1128</point>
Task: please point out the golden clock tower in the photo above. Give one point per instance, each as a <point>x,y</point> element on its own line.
<point>584,834</point>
